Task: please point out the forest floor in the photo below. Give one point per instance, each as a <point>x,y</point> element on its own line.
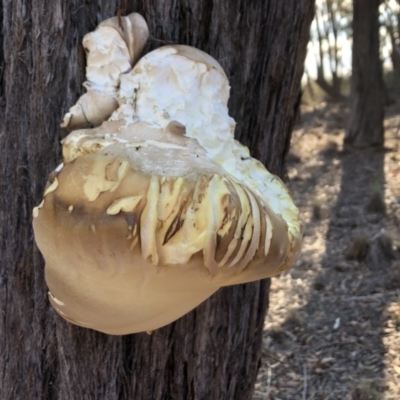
<point>333,325</point>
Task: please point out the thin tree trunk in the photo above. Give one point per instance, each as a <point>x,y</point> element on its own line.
<point>213,352</point>
<point>331,89</point>
<point>395,53</point>
<point>367,90</point>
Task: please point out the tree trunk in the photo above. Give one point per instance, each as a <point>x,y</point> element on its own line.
<point>323,34</point>
<point>213,352</point>
<point>395,53</point>
<point>367,90</point>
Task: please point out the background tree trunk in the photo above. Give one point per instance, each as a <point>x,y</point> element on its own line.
<point>367,90</point>
<point>212,353</point>
<point>325,30</point>
<point>395,53</point>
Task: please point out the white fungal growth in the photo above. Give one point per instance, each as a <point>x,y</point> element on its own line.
<point>35,211</point>
<point>126,204</point>
<point>111,51</point>
<point>179,83</point>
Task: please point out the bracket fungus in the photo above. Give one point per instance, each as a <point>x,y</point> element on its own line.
<point>156,205</point>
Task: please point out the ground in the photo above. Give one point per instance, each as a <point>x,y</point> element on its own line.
<point>333,326</point>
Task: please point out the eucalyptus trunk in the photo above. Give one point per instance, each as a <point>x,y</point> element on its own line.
<point>367,97</point>
<point>211,353</point>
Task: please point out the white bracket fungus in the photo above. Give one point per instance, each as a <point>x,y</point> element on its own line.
<point>111,50</point>
<point>156,206</point>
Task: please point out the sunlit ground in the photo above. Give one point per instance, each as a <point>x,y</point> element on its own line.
<point>333,327</point>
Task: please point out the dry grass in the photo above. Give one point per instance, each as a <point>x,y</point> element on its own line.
<point>358,248</point>
<point>316,209</point>
<point>376,201</point>
<point>366,390</point>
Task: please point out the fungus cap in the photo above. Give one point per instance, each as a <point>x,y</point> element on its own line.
<point>155,209</point>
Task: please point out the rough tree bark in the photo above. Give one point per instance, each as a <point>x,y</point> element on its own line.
<point>212,353</point>
<point>367,97</point>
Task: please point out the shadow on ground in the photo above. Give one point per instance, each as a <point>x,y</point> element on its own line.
<point>335,344</point>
